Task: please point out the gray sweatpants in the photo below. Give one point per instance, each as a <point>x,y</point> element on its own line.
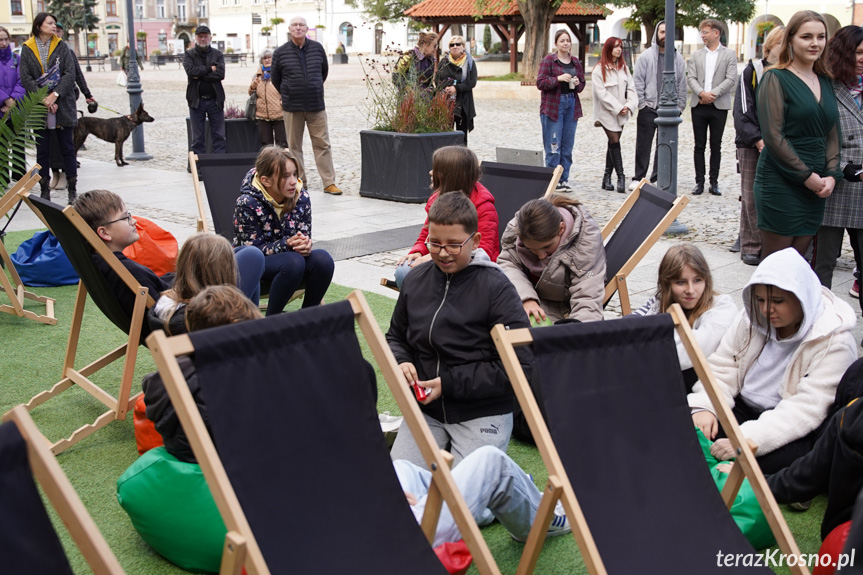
<point>460,439</point>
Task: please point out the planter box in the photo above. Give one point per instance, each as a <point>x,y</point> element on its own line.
<point>340,58</point>
<point>396,166</point>
<point>242,136</point>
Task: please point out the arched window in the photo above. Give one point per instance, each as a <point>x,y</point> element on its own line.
<point>346,34</point>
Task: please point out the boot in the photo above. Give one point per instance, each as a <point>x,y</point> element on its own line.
<point>45,190</point>
<point>606,179</point>
<point>617,160</point>
<point>72,188</point>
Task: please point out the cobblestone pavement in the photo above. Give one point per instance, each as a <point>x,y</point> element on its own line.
<point>508,123</point>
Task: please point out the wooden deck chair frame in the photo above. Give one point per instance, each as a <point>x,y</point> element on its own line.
<point>63,497</point>
<point>15,290</point>
<point>746,466</point>
<point>118,406</point>
<point>442,489</point>
<point>202,225</point>
<point>552,185</point>
<point>618,282</point>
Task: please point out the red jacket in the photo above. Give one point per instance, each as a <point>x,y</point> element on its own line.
<point>484,202</point>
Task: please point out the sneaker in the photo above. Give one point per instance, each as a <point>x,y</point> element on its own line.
<point>333,189</point>
<point>855,289</point>
<point>559,526</point>
<point>801,505</point>
<point>633,184</point>
<point>562,186</point>
<point>390,426</point>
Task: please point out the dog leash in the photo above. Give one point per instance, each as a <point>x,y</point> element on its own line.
<point>110,110</point>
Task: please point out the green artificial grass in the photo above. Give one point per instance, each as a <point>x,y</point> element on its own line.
<point>31,362</point>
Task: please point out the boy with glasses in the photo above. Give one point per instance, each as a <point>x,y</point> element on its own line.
<point>440,335</point>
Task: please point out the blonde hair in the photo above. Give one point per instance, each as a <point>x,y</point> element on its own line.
<point>272,162</point>
<point>427,38</point>
<point>786,54</point>
<point>773,38</point>
<point>671,269</point>
<point>219,305</point>
<point>458,37</point>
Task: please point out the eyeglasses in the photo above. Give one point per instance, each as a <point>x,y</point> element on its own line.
<point>299,25</point>
<point>454,44</point>
<point>706,32</point>
<point>451,249</point>
<point>127,217</point>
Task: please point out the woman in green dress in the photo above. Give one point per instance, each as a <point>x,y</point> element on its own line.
<point>799,121</point>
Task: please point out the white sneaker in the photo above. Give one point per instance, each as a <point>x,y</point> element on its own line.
<point>559,525</point>
<point>562,186</point>
<point>633,184</point>
<point>390,425</point>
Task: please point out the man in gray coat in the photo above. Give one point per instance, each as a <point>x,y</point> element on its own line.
<point>648,85</point>
<point>712,76</point>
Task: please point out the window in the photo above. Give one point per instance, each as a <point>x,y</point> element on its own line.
<point>160,8</point>
<point>413,36</point>
<point>139,9</point>
<point>110,7</point>
<point>40,6</point>
<point>17,9</point>
<point>163,42</point>
<point>181,10</point>
<point>202,9</point>
<point>113,43</point>
<point>346,34</point>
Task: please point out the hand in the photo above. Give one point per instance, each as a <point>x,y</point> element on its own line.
<point>300,243</point>
<point>706,422</point>
<point>213,67</point>
<point>565,78</point>
<point>532,308</point>
<point>409,372</point>
<point>90,100</point>
<point>706,98</point>
<point>4,109</point>
<point>433,390</point>
<point>723,450</point>
<point>850,172</point>
<point>255,82</point>
<point>624,111</point>
<point>828,184</point>
<point>53,108</point>
<point>450,90</point>
<point>759,145</point>
<point>411,259</point>
<point>814,182</point>
<point>9,103</point>
<point>412,499</point>
<point>49,100</point>
<point>724,467</point>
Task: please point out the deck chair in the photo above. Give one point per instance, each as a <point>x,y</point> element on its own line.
<point>621,445</point>
<point>79,241</point>
<point>512,186</point>
<point>15,289</point>
<point>309,447</point>
<point>854,542</point>
<point>643,218</point>
<point>222,175</point>
<point>28,541</point>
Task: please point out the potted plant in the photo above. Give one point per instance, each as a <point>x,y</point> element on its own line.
<point>241,136</point>
<point>408,124</point>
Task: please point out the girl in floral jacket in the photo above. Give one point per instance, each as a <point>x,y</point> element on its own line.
<point>274,214</point>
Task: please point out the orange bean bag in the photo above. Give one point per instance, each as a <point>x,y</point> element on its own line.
<point>146,435</point>
<point>157,248</point>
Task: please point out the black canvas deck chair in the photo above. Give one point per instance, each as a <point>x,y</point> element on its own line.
<point>222,175</point>
<point>303,473</point>
<point>621,445</point>
<point>14,289</point>
<point>79,241</point>
<point>28,541</point>
<point>854,543</point>
<point>635,227</point>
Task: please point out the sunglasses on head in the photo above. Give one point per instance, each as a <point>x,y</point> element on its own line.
<point>454,44</point>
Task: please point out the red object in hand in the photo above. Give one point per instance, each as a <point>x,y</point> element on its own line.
<point>419,391</point>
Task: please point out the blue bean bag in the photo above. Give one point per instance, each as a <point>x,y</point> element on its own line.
<point>41,262</point>
<point>172,509</point>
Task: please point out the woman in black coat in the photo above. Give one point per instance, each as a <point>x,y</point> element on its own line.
<point>456,76</point>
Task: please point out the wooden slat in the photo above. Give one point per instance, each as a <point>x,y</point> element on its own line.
<point>539,529</point>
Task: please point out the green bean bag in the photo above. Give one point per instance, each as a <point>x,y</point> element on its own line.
<point>746,511</point>
<point>172,509</point>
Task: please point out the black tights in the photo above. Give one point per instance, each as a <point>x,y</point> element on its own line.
<point>613,137</point>
<point>771,242</point>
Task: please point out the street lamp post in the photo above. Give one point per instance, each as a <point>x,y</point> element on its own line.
<point>133,87</point>
<point>669,118</point>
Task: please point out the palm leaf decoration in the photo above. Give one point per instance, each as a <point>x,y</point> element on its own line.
<point>19,134</point>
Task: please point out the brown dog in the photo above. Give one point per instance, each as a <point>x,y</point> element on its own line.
<point>114,130</point>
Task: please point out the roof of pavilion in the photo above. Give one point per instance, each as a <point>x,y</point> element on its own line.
<point>449,9</point>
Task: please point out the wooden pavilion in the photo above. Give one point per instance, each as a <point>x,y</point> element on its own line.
<point>505,19</point>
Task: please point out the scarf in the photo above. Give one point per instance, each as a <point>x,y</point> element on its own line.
<point>6,54</point>
<point>460,62</point>
<point>266,72</point>
<point>43,51</point>
<point>856,91</point>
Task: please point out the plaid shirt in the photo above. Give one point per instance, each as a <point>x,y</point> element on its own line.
<point>547,82</point>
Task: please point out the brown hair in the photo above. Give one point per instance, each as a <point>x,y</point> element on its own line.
<point>539,220</point>
<point>454,169</point>
<point>773,39</point>
<point>219,305</point>
<point>8,35</point>
<point>98,206</point>
<point>671,268</point>
<point>454,209</point>
<point>272,162</point>
<point>841,54</point>
<point>427,38</point>
<point>206,259</point>
<point>560,33</point>
<point>711,23</point>
<point>607,60</point>
<point>786,55</point>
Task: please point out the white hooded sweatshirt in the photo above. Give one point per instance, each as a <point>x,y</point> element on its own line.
<point>793,379</point>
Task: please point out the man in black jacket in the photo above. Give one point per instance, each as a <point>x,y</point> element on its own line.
<point>299,71</point>
<point>205,67</point>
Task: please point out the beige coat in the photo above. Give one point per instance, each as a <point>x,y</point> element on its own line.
<point>269,106</point>
<point>611,95</point>
<point>573,282</point>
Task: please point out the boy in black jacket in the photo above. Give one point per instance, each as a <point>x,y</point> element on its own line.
<point>440,335</point>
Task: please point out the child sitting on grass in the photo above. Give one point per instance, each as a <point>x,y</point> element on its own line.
<point>440,335</point>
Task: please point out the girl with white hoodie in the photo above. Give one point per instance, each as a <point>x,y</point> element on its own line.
<point>779,364</point>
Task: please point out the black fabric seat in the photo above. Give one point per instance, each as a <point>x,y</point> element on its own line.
<point>222,175</point>
<point>512,186</point>
<point>613,396</point>
<point>854,542</point>
<point>299,438</point>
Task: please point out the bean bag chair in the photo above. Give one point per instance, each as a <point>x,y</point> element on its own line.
<point>146,436</point>
<point>832,547</point>
<point>745,511</point>
<point>157,248</point>
<point>172,509</point>
<point>41,262</point>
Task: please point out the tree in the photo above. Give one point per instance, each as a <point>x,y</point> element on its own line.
<point>537,15</point>
<point>75,15</point>
<point>384,10</point>
<point>689,12</point>
<point>486,39</point>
